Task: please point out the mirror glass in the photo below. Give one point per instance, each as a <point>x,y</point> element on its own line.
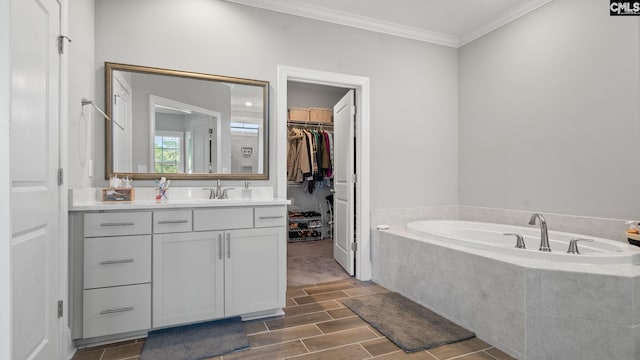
<point>184,125</point>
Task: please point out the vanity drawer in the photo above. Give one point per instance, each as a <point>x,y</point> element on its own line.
<point>113,261</point>
<point>269,216</point>
<point>222,219</point>
<point>172,221</point>
<point>113,224</point>
<point>116,310</point>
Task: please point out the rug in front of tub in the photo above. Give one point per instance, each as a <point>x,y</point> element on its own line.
<point>196,341</point>
<point>407,324</point>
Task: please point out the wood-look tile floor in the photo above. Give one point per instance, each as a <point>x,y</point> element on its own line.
<point>317,326</point>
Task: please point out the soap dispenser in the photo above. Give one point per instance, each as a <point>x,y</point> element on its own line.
<point>246,191</point>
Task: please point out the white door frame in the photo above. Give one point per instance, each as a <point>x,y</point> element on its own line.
<point>5,181</point>
<point>363,209</point>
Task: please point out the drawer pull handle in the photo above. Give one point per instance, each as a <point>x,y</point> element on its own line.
<point>271,217</point>
<point>111,262</point>
<point>220,246</point>
<point>229,245</point>
<point>173,222</point>
<point>118,224</point>
<point>115,311</point>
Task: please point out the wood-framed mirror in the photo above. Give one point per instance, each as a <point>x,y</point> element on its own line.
<point>185,125</point>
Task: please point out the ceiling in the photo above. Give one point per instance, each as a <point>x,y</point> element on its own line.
<point>445,22</point>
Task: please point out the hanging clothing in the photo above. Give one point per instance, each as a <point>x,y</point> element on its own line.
<point>326,157</point>
<point>319,175</point>
<point>297,159</point>
<point>309,157</point>
<point>311,152</point>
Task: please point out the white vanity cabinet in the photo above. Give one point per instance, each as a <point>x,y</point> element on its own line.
<point>149,267</point>
<point>233,263</point>
<point>116,273</point>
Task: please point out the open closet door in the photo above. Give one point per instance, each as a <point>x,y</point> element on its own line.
<point>343,180</point>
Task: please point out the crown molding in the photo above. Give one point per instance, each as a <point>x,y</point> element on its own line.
<point>509,16</point>
<point>352,20</point>
<point>367,23</point>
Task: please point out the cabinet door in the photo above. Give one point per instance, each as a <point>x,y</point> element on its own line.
<point>255,270</point>
<point>188,278</point>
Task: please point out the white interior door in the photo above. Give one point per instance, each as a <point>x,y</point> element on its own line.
<point>122,114</point>
<point>343,174</point>
<point>34,160</point>
<point>202,151</point>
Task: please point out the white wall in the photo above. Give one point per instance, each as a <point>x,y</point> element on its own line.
<point>550,114</point>
<point>80,55</point>
<point>304,95</point>
<point>414,84</point>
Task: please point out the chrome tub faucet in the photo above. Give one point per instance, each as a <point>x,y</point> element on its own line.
<point>544,234</point>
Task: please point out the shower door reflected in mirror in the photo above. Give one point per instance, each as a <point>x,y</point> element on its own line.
<point>183,125</point>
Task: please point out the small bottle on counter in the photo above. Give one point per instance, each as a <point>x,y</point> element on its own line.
<point>246,191</point>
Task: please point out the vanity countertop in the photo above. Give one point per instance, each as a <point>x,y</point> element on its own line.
<point>87,200</point>
<point>172,204</point>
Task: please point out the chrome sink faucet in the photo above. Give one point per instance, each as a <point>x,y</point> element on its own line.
<point>544,234</point>
<point>219,192</point>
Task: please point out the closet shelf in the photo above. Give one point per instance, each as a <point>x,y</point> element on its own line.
<point>309,123</point>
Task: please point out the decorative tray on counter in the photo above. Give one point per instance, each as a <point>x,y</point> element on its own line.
<point>118,194</point>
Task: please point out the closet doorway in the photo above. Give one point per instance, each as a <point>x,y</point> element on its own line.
<point>325,227</point>
<point>316,252</point>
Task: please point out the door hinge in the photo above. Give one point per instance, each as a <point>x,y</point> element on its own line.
<point>60,176</point>
<point>354,246</point>
<point>354,178</point>
<point>60,308</point>
<point>61,43</point>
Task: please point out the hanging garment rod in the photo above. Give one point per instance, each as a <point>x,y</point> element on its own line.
<point>86,101</point>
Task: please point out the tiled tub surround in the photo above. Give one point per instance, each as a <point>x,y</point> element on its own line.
<point>532,309</point>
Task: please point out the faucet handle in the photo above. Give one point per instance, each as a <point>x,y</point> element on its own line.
<point>573,245</point>
<point>519,240</point>
<point>211,191</point>
<point>224,193</point>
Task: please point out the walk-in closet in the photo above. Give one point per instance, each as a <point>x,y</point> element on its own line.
<point>311,156</point>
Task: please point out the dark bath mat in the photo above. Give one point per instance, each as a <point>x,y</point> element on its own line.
<point>407,324</point>
<point>197,341</point>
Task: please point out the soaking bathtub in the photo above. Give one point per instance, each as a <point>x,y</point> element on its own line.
<point>533,305</point>
<point>490,236</point>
